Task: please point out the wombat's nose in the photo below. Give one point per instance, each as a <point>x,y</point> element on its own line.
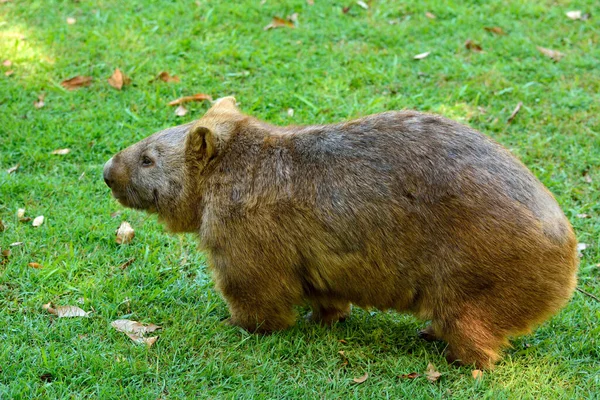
<point>106,173</point>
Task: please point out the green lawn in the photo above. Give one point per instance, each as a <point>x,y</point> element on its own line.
<point>332,66</point>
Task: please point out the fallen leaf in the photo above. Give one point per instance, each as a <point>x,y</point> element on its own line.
<point>412,375</point>
<point>35,265</point>
<point>583,216</point>
<point>76,82</point>
<point>495,29</point>
<point>116,214</point>
<point>363,4</point>
<point>290,112</point>
<point>310,2</point>
<point>342,341</point>
<point>422,55</point>
<point>125,233</point>
<point>65,311</point>
<point>2,227</point>
<point>61,152</point>
<point>47,377</point>
<point>7,63</point>
<point>165,77</point>
<point>126,264</point>
<point>430,15</point>
<point>432,374</point>
<point>136,330</point>
<point>477,374</point>
<point>71,20</point>
<point>578,15</point>
<point>118,79</point>
<point>9,72</point>
<point>586,177</point>
<point>279,22</point>
<point>186,99</point>
<point>40,101</point>
<point>473,46</point>
<point>362,378</point>
<point>129,326</point>
<point>16,244</point>
<point>515,112</point>
<point>180,111</point>
<point>13,169</point>
<point>580,248</point>
<point>346,9</point>
<point>6,253</point>
<point>38,221</point>
<point>21,213</point>
<point>553,54</point>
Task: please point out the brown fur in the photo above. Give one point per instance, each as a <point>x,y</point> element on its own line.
<point>399,210</point>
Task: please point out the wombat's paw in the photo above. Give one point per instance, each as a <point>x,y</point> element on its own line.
<point>329,316</point>
<point>481,360</point>
<point>428,334</point>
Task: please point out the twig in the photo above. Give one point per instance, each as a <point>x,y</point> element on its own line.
<point>588,294</point>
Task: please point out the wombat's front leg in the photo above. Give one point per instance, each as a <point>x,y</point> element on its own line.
<point>258,301</point>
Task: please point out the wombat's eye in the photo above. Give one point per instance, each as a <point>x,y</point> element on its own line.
<point>147,161</point>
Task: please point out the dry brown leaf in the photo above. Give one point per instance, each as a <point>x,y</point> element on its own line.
<point>362,4</point>
<point>129,326</point>
<point>165,77</point>
<point>310,2</point>
<point>118,79</point>
<point>125,233</point>
<point>342,341</point>
<point>126,264</point>
<point>7,63</point>
<point>61,152</point>
<point>346,9</point>
<point>515,112</point>
<point>6,253</point>
<point>65,311</point>
<point>362,378</point>
<point>412,375</point>
<point>71,20</point>
<point>432,374</point>
<point>495,29</point>
<point>38,221</point>
<point>430,15</point>
<point>553,54</point>
<point>473,46</point>
<point>40,101</point>
<point>279,22</point>
<point>180,111</point>
<point>422,55</point>
<point>186,99</point>
<point>13,169</point>
<point>477,374</point>
<point>2,227</point>
<point>76,82</point>
<point>35,265</point>
<point>9,72</point>
<point>136,330</point>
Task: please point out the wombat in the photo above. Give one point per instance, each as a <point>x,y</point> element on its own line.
<point>399,210</point>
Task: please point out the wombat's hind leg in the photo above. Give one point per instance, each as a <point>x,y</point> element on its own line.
<point>328,312</point>
<point>471,342</point>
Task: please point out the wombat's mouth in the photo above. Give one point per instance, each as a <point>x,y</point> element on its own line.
<point>132,200</point>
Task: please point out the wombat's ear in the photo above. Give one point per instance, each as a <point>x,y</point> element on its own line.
<point>200,144</point>
<point>223,105</point>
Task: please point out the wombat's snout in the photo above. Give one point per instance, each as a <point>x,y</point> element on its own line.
<point>107,173</point>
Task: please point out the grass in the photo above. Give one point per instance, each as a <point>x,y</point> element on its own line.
<point>333,66</point>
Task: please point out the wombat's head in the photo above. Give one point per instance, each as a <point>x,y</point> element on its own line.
<point>161,173</point>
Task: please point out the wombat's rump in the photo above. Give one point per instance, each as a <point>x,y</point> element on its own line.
<point>399,210</point>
